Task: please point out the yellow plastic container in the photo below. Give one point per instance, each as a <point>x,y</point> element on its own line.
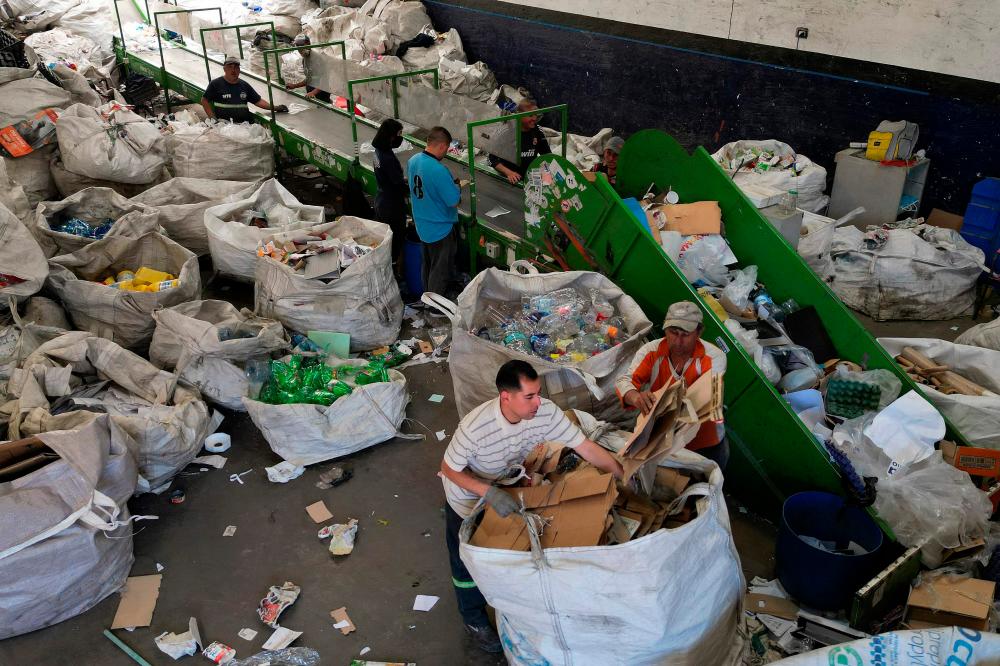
<point>146,275</point>
<point>164,285</point>
<point>109,281</point>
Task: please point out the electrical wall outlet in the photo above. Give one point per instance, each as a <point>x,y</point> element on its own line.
<point>802,33</point>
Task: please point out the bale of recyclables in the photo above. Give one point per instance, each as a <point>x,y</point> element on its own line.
<point>363,302</point>
<point>166,423</point>
<point>305,434</point>
<point>110,143</point>
<point>589,386</point>
<point>207,344</point>
<point>66,183</point>
<point>93,205</point>
<point>232,237</point>
<point>922,273</point>
<point>672,596</point>
<point>182,203</point>
<point>23,267</point>
<point>221,150</point>
<point>65,532</point>
<point>975,416</point>
<point>116,314</point>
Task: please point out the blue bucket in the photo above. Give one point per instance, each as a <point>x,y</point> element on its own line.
<point>817,577</point>
<point>412,266</point>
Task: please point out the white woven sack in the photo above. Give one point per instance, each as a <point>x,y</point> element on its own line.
<point>93,203</point>
<point>306,434</point>
<point>590,386</point>
<point>187,341</point>
<point>363,302</point>
<point>672,597</point>
<point>182,203</point>
<point>111,142</point>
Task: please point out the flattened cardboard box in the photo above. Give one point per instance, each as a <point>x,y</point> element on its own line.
<point>703,217</point>
<point>576,512</point>
<point>951,601</point>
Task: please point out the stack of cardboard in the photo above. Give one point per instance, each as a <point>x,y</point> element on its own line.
<point>946,601</point>
<point>579,505</point>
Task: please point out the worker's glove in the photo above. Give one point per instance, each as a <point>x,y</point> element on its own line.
<point>501,502</point>
<point>281,108</point>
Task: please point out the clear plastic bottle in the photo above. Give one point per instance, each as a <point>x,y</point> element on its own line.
<point>602,307</point>
<point>542,344</point>
<point>789,202</point>
<point>517,341</point>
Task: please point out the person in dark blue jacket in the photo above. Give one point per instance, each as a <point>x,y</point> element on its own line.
<point>434,196</point>
<point>390,201</point>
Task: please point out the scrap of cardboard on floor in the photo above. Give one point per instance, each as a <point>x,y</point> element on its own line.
<point>318,512</point>
<point>342,621</point>
<point>138,601</point>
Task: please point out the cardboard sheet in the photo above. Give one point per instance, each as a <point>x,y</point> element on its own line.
<point>951,601</point>
<point>318,512</point>
<point>138,601</point>
<point>703,217</point>
<point>575,510</point>
<point>339,617</point>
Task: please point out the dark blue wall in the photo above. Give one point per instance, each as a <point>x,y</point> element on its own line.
<point>708,99</point>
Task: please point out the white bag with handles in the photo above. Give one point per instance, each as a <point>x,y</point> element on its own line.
<point>673,597</point>
<point>474,361</point>
<point>305,434</point>
<point>110,143</point>
<point>167,423</point>
<point>187,340</point>
<point>363,302</point>
<point>65,533</point>
<point>975,416</point>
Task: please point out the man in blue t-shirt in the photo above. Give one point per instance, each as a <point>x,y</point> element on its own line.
<point>226,97</point>
<point>434,196</point>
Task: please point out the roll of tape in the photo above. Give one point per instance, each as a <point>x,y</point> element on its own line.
<point>218,442</point>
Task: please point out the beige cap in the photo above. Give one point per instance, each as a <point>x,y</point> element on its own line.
<point>683,314</point>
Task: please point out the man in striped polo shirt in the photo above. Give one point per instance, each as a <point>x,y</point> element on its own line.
<point>489,441</point>
<point>226,97</point>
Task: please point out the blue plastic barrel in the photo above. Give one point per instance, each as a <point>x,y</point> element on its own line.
<point>981,226</point>
<point>412,265</point>
<point>817,577</point>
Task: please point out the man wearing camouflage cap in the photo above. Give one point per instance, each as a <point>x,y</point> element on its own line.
<point>680,353</point>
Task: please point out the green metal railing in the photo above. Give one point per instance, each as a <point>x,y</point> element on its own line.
<point>395,98</point>
<point>563,110</point>
<point>159,40</point>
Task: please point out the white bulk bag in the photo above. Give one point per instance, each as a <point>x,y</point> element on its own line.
<point>67,183</point>
<point>95,20</point>
<point>476,81</point>
<point>186,340</point>
<point>166,423</point>
<point>134,154</point>
<point>363,302</point>
<point>584,152</point>
<point>305,434</point>
<point>32,173</point>
<point>57,45</point>
<point>182,203</point>
<point>221,150</point>
<point>449,47</point>
<point>923,273</point>
<point>589,386</point>
<point>65,537</point>
<point>119,315</point>
<point>20,257</point>
<point>976,417</point>
<point>12,194</point>
<point>17,341</point>
<point>94,204</point>
<point>76,85</point>
<point>233,242</point>
<point>982,335</point>
<point>806,177</point>
<point>24,98</point>
<point>815,243</point>
<point>937,646</point>
<point>672,597</point>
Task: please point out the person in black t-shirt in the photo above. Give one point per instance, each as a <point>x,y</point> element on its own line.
<point>533,144</point>
<point>322,95</point>
<point>609,161</point>
<point>226,97</point>
<point>393,190</point>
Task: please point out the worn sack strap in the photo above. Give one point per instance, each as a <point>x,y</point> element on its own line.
<point>90,515</point>
<point>523,267</point>
<point>392,425</point>
<point>446,307</point>
<point>697,490</point>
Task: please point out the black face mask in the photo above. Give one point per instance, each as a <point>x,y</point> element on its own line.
<point>397,141</point>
